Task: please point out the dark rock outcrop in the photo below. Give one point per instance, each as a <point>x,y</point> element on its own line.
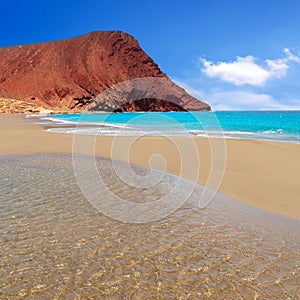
<point>149,104</point>
<point>68,75</point>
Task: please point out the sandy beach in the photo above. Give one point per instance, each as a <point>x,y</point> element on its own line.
<point>259,173</point>
<point>63,234</point>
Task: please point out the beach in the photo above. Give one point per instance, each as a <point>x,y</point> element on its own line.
<point>64,233</point>
<point>150,151</point>
<point>259,173</point>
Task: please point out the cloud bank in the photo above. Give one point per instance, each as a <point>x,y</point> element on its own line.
<point>246,70</point>
<point>242,100</point>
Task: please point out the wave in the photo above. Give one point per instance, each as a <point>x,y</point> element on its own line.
<point>57,121</point>
<point>110,131</point>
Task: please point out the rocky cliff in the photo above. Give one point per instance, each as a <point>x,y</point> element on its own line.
<point>68,75</point>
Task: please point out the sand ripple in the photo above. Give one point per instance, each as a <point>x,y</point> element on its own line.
<point>55,245</point>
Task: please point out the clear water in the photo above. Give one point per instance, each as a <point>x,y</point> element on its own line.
<point>55,245</point>
<point>267,125</point>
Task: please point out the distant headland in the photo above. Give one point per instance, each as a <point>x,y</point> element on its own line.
<point>67,75</point>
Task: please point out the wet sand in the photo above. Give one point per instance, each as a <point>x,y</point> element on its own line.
<point>54,244</point>
<point>259,173</point>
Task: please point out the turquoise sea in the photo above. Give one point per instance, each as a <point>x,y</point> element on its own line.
<point>267,125</point>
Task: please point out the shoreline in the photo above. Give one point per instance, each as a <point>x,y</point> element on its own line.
<point>57,124</point>
<point>263,174</point>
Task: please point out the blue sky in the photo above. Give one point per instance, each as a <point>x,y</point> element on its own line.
<point>236,54</point>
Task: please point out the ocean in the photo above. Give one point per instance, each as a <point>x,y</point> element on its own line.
<point>283,126</point>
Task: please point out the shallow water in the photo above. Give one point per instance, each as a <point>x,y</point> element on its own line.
<point>55,245</point>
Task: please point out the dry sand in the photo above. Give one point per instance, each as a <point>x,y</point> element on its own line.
<point>262,174</point>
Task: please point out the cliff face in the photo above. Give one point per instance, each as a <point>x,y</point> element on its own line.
<point>67,75</point>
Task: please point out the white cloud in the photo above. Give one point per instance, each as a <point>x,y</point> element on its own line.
<point>242,100</point>
<point>291,56</point>
<point>245,70</point>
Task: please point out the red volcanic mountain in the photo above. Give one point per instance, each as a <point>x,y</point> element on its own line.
<point>67,75</point>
